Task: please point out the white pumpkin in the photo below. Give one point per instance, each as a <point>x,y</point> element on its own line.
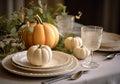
<point>39,55</point>
<point>81,52</point>
<point>72,42</point>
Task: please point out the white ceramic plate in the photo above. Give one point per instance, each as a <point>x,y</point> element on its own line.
<point>44,69</point>
<point>110,42</point>
<point>59,59</point>
<point>7,64</point>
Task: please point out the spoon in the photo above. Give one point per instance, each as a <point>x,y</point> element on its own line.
<point>73,76</point>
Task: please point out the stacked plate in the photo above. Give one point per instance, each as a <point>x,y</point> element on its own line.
<point>110,42</point>
<point>61,63</point>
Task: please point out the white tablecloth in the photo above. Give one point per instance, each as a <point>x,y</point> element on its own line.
<point>107,73</point>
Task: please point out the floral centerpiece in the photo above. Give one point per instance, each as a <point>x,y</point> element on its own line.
<point>11,30</point>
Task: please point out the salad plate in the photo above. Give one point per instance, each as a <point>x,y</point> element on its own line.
<point>59,59</point>
<point>44,69</point>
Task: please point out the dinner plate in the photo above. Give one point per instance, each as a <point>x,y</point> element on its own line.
<point>59,60</point>
<point>7,64</point>
<point>110,42</point>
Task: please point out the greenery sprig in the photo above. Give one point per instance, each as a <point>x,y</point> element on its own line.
<point>13,28</point>
<point>61,9</point>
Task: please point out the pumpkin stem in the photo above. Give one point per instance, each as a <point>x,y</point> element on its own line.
<point>82,46</point>
<point>39,46</point>
<point>39,20</point>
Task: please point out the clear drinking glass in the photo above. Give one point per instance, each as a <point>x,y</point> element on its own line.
<point>65,23</point>
<point>91,37</point>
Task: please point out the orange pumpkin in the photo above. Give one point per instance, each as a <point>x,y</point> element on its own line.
<point>40,33</point>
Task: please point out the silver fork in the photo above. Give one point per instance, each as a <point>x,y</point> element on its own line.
<point>73,76</point>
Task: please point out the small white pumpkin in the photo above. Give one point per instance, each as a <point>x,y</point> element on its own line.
<point>39,55</point>
<point>81,52</point>
<point>72,42</point>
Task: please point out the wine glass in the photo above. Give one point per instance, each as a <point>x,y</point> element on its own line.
<point>91,37</point>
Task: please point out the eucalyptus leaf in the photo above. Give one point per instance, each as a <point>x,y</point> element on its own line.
<point>13,30</point>
<point>62,8</point>
<point>44,15</point>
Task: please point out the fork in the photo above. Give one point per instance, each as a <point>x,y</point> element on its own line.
<point>73,76</point>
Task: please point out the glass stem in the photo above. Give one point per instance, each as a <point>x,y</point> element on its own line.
<point>91,56</point>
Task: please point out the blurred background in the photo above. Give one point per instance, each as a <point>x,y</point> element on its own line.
<point>105,13</point>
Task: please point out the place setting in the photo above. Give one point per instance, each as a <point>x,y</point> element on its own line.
<point>18,64</point>
<point>110,45</point>
<point>61,64</point>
